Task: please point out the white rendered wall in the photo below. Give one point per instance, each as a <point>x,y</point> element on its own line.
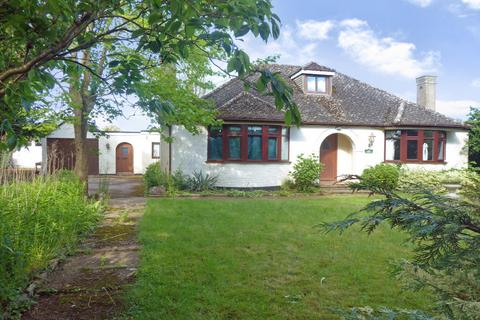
<point>142,150</point>
<point>189,154</point>
<point>26,157</point>
<point>140,141</point>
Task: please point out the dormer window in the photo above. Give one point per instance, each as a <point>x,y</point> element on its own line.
<point>316,84</point>
<point>314,79</point>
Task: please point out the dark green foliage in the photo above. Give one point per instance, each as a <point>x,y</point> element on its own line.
<point>474,136</point>
<point>201,182</point>
<point>364,313</point>
<point>445,231</point>
<point>40,220</point>
<point>306,172</point>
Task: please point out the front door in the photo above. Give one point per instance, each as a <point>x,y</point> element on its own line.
<point>328,156</point>
<point>124,158</point>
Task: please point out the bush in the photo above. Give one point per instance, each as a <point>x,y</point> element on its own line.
<point>40,220</point>
<point>380,178</point>
<point>470,186</point>
<point>431,180</point>
<point>306,172</point>
<point>155,177</point>
<point>201,182</point>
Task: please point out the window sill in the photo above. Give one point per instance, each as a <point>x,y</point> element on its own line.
<point>248,162</point>
<point>415,162</point>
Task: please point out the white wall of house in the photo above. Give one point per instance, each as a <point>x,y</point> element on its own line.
<point>28,156</point>
<point>107,144</point>
<point>142,150</point>
<point>189,154</point>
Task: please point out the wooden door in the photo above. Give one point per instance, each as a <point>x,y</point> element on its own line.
<point>61,155</point>
<point>124,158</point>
<point>328,156</point>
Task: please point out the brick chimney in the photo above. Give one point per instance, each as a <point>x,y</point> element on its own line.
<point>426,92</point>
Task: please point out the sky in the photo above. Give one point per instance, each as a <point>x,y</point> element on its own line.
<point>385,43</point>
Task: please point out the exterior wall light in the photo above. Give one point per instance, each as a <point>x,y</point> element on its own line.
<point>371,140</point>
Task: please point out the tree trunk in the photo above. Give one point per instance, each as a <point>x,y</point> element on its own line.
<point>81,152</point>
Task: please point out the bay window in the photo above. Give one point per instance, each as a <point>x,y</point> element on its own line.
<point>415,145</point>
<point>248,143</point>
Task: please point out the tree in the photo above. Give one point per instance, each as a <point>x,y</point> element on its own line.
<point>474,136</point>
<point>446,234</point>
<point>42,38</point>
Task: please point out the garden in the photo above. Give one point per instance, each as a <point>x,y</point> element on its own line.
<point>42,219</point>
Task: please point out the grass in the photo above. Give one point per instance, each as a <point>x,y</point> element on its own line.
<point>40,220</point>
<point>262,259</point>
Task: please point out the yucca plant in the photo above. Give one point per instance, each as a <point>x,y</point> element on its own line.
<point>201,182</point>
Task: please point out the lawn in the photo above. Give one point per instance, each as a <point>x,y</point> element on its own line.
<point>262,259</point>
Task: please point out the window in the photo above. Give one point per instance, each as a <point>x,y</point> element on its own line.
<point>155,150</point>
<point>215,144</point>
<point>415,145</point>
<point>124,151</point>
<point>248,143</point>
<point>317,84</point>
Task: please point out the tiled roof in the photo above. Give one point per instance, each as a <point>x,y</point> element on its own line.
<point>352,103</point>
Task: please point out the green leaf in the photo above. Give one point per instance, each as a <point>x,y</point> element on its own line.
<point>242,31</point>
<point>264,30</point>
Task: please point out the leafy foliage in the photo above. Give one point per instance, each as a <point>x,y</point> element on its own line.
<point>474,136</point>
<point>378,178</point>
<point>156,177</point>
<point>306,172</point>
<point>446,232</point>
<point>81,40</point>
<point>41,219</point>
<point>421,177</point>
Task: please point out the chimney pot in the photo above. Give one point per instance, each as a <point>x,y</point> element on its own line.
<point>426,91</point>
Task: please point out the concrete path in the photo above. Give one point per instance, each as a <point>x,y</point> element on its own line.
<point>90,284</point>
<point>116,186</point>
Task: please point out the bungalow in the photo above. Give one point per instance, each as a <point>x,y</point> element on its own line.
<point>349,124</point>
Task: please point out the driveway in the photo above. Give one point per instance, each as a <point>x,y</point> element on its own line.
<point>117,186</point>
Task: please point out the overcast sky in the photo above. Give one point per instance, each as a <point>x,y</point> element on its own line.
<point>386,43</point>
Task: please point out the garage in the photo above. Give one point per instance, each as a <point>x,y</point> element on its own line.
<point>61,154</point>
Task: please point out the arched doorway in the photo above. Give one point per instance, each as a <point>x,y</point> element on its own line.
<point>336,154</point>
<point>124,158</point>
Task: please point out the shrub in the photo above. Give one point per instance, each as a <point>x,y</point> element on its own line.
<point>154,177</point>
<point>431,180</point>
<point>380,178</point>
<point>470,186</point>
<point>201,182</point>
<point>40,220</point>
<point>306,172</point>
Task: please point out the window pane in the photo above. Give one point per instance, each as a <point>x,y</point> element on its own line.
<point>124,151</point>
<point>392,151</point>
<point>390,134</point>
<point>272,148</point>
<point>285,138</point>
<point>311,84</point>
<point>321,84</point>
<point>412,133</point>
<point>215,148</point>
<point>272,130</point>
<point>234,148</point>
<point>441,146</point>
<point>427,150</point>
<point>234,130</point>
<point>254,130</point>
<point>412,149</point>
<point>428,134</point>
<point>155,150</point>
<point>254,148</point>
